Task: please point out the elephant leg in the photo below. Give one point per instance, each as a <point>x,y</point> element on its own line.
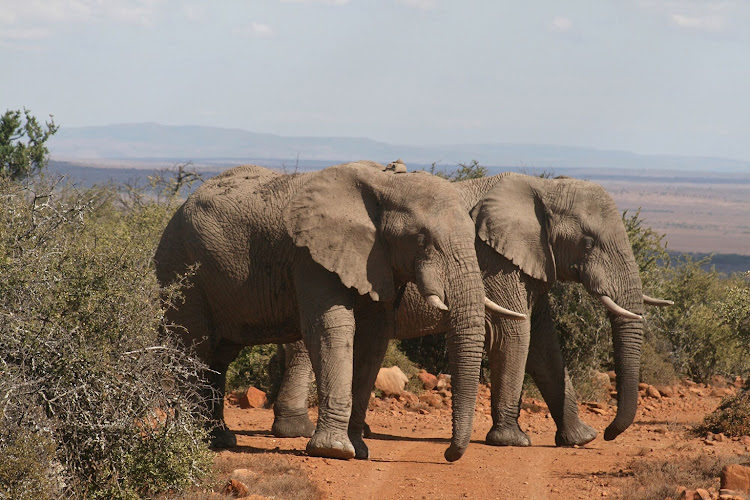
<point>508,349</point>
<point>224,352</point>
<point>198,332</point>
<point>370,344</point>
<point>327,323</point>
<point>290,417</point>
<point>546,367</point>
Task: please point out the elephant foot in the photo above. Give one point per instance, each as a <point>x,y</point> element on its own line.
<point>579,435</point>
<point>361,452</point>
<point>290,427</point>
<point>508,436</point>
<point>222,438</point>
<point>330,444</point>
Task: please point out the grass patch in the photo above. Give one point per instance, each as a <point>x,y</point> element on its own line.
<point>263,474</point>
<point>659,479</point>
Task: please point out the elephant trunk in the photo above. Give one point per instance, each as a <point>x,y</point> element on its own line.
<point>627,338</point>
<point>465,343</point>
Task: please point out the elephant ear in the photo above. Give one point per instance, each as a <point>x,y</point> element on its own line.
<point>335,215</point>
<point>512,219</point>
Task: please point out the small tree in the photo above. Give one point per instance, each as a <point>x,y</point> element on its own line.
<point>472,170</point>
<point>18,158</point>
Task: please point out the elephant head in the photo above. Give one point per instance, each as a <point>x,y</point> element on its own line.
<point>569,229</point>
<point>377,231</point>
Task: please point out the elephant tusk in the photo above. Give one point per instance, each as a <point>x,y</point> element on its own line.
<point>656,302</point>
<point>617,310</point>
<point>498,309</point>
<point>435,302</point>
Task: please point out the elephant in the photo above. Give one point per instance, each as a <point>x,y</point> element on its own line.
<point>275,258</point>
<point>530,232</point>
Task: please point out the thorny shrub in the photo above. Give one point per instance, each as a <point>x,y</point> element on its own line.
<point>96,400</point>
<point>731,418</point>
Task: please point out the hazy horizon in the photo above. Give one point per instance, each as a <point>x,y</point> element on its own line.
<point>645,76</point>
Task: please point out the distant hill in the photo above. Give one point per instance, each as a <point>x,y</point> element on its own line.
<point>144,141</point>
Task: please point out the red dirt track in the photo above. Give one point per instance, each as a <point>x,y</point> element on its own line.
<point>407,452</point>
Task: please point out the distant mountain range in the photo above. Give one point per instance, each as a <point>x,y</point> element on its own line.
<point>150,141</point>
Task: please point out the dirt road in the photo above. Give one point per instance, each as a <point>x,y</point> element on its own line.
<point>407,453</point>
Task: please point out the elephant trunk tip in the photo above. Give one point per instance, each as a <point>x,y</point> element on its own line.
<point>611,433</point>
<point>454,452</point>
<point>617,427</point>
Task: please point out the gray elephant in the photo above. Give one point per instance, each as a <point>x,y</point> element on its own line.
<point>284,257</point>
<point>530,232</point>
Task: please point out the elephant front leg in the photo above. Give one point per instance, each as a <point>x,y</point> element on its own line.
<point>546,367</point>
<point>327,321</point>
<point>290,409</point>
<point>508,349</point>
<point>370,344</point>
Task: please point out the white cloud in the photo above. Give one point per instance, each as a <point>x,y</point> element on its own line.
<point>47,11</point>
<point>25,34</point>
<point>419,4</point>
<point>194,12</point>
<point>561,23</point>
<point>35,19</point>
<point>725,16</point>
<point>708,23</point>
<point>141,12</point>
<point>257,30</point>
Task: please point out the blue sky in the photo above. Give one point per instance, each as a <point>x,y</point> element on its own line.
<point>648,76</point>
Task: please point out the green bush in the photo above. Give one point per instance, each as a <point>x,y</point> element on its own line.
<point>110,401</point>
<point>260,366</point>
<point>429,352</point>
<point>394,356</point>
<point>585,335</point>
<point>734,308</point>
<point>732,417</point>
<point>656,365</point>
<point>701,343</point>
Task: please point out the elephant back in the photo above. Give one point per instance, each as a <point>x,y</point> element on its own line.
<point>232,227</point>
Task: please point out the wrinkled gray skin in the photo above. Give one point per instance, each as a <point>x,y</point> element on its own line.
<point>284,254</point>
<point>530,232</point>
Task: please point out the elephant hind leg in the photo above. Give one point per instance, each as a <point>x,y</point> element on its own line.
<point>224,352</point>
<point>290,417</point>
<point>546,367</point>
<point>196,331</point>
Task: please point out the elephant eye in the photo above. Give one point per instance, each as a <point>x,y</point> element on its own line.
<point>588,242</point>
<point>421,240</point>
